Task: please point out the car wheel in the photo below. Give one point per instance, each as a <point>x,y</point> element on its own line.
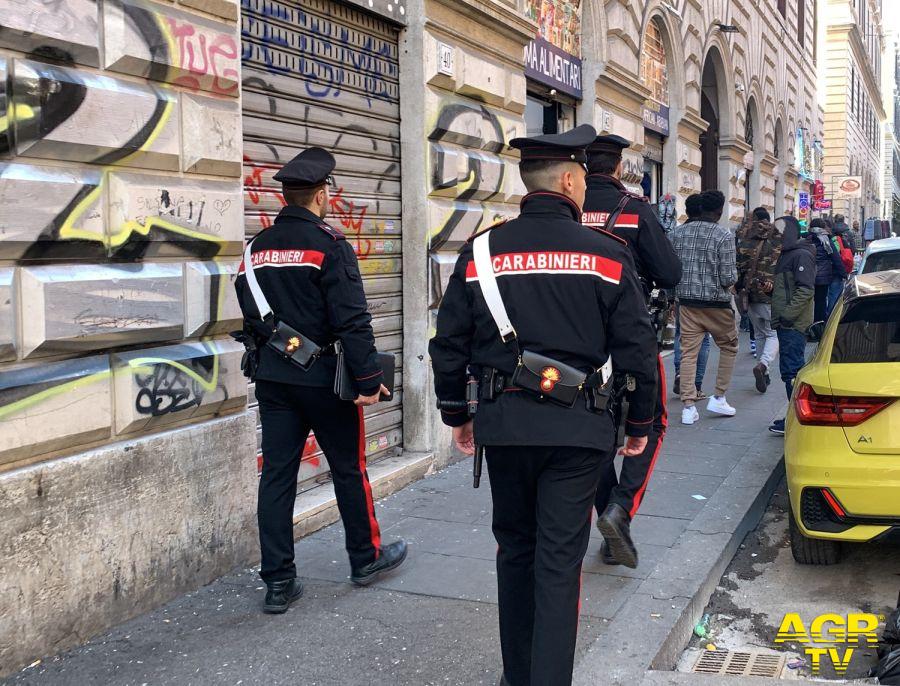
<point>812,551</point>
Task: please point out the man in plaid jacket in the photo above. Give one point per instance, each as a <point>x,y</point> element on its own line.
<point>705,294</point>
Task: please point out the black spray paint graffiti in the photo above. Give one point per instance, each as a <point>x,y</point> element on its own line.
<point>175,387</point>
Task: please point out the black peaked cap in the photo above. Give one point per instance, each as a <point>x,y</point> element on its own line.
<point>563,147</point>
<point>609,144</point>
<point>308,169</point>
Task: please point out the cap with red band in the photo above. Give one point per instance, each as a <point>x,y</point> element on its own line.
<point>562,147</point>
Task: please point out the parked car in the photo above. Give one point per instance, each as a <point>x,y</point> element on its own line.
<point>881,255</point>
<point>842,440</point>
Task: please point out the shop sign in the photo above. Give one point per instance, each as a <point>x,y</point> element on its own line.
<point>822,205</point>
<point>656,117</point>
<point>547,64</point>
<point>849,187</point>
<point>803,208</point>
<point>554,56</point>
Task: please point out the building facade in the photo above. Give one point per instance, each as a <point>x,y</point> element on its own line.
<point>890,189</point>
<point>850,90</point>
<point>134,167</point>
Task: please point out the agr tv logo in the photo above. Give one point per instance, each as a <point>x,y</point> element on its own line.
<point>834,630</point>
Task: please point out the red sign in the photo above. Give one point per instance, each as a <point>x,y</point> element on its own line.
<point>822,205</point>
<point>818,190</point>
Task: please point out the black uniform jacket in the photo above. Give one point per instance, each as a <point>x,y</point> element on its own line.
<point>572,294</point>
<point>638,224</point>
<point>310,276</point>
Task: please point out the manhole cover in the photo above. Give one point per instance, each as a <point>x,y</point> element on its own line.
<point>737,663</point>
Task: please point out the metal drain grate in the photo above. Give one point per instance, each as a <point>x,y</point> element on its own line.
<point>736,663</point>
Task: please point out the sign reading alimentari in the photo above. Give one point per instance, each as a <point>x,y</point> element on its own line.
<point>553,58</point>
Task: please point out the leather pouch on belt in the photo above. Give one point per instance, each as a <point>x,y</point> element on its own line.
<point>548,378</point>
<point>294,346</point>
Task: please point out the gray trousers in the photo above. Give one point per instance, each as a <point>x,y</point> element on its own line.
<point>766,339</point>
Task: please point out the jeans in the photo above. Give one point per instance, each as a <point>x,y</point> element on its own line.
<point>791,356</point>
<point>702,358</point>
<point>766,339</point>
<point>835,288</point>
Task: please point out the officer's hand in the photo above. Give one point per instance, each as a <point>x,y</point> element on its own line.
<point>464,437</point>
<point>634,446</point>
<point>365,400</point>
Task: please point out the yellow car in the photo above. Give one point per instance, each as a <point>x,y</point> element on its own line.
<point>842,430</point>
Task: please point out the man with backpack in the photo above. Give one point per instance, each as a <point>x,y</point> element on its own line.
<point>758,248</point>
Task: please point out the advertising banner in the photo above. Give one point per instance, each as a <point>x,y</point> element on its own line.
<point>654,74</point>
<point>554,56</point>
<point>848,187</point>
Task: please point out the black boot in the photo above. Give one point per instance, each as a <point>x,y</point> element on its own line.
<point>615,525</point>
<point>676,385</point>
<point>389,557</point>
<point>606,556</point>
<point>280,595</point>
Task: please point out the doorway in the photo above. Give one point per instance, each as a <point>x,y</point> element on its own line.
<point>709,139</point>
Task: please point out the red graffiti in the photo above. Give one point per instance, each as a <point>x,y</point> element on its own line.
<point>311,447</point>
<point>351,216</point>
<point>254,181</point>
<point>213,65</point>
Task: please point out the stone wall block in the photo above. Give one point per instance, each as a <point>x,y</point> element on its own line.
<point>470,124</point>
<point>211,136</point>
<point>67,30</point>
<point>159,386</point>
<point>89,541</point>
<point>52,406</point>
<point>79,308</point>
<point>7,316</point>
<point>227,9</point>
<point>67,114</point>
<point>162,43</point>
<point>51,212</point>
<point>159,215</point>
<point>516,93</point>
<point>210,301</point>
<point>481,79</point>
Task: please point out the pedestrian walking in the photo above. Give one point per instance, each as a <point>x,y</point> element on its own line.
<point>859,243</point>
<point>758,249</point>
<point>707,253</point>
<point>851,236</point>
<point>693,210</point>
<point>608,205</point>
<point>792,303</point>
<point>536,308</point>
<point>307,273</point>
<point>829,267</point>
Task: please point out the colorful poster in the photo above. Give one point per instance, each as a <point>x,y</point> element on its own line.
<point>554,56</point>
<point>654,75</point>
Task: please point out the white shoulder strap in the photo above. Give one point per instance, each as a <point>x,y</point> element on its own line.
<point>262,305</point>
<point>484,267</point>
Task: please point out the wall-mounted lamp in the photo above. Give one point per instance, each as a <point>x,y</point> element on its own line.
<point>739,87</point>
<point>728,28</point>
<point>671,9</point>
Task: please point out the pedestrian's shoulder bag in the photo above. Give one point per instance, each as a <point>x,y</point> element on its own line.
<point>538,374</point>
<point>285,340</point>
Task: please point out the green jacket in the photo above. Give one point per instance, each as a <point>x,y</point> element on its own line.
<point>795,278</point>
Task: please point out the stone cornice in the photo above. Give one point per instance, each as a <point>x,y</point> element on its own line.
<point>693,121</point>
<point>620,80</point>
<point>502,18</point>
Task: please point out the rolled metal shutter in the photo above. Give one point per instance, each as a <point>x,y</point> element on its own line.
<point>317,72</point>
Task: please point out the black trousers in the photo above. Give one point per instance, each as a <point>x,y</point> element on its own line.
<point>628,488</point>
<point>542,522</point>
<point>820,302</point>
<point>288,412</point>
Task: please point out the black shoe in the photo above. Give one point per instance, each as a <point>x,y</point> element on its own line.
<point>759,371</point>
<point>615,525</point>
<point>606,556</point>
<point>777,427</point>
<point>676,385</point>
<point>280,595</point>
<point>389,557</point>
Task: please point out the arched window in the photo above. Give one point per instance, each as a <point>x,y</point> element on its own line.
<point>653,64</point>
<point>748,124</point>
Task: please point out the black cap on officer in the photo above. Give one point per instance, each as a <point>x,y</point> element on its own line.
<point>309,169</point>
<point>610,144</point>
<point>561,147</point>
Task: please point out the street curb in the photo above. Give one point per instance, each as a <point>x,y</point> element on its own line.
<point>653,626</point>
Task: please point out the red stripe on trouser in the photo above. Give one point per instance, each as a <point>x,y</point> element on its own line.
<point>375,532</point>
<point>664,420</point>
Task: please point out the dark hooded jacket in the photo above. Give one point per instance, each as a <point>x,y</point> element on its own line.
<point>828,259</point>
<point>758,249</point>
<point>795,278</point>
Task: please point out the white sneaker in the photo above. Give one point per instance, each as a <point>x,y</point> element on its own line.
<point>689,415</point>
<point>719,405</point>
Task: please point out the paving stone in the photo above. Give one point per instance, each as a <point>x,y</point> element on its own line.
<point>670,495</point>
<point>657,530</point>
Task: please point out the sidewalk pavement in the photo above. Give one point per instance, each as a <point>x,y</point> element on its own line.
<point>434,621</point>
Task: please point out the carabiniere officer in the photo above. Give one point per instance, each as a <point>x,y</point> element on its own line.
<point>658,266</point>
<point>309,274</point>
<point>572,294</point>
